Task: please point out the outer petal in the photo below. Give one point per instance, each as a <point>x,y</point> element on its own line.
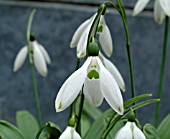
<point>166,6</point>
<point>78,33</point>
<point>45,54</point>
<point>39,60</point>
<point>82,44</point>
<point>92,92</point>
<point>105,38</point>
<point>159,14</point>
<point>110,89</point>
<point>20,58</point>
<point>114,71</point>
<point>71,87</point>
<point>137,133</point>
<point>139,6</point>
<point>70,133</point>
<point>125,132</point>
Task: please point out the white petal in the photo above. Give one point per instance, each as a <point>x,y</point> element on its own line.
<point>39,60</point>
<point>125,132</point>
<point>78,33</point>
<point>71,87</point>
<point>166,6</point>
<point>92,92</point>
<point>139,6</point>
<point>45,54</point>
<point>114,72</point>
<point>110,89</point>
<point>82,44</point>
<point>137,133</point>
<point>20,58</point>
<point>105,39</point>
<point>70,133</point>
<point>159,14</point>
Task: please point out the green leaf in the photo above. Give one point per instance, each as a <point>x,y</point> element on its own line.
<point>53,130</point>
<point>27,124</point>
<point>164,127</point>
<point>85,124</point>
<point>91,110</point>
<point>9,131</point>
<point>98,127</point>
<point>115,129</point>
<point>150,132</point>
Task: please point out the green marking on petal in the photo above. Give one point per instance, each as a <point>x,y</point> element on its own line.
<point>80,53</point>
<point>60,106</point>
<point>93,74</point>
<point>119,109</point>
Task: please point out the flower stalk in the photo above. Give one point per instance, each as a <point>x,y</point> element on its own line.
<point>162,71</point>
<point>32,67</point>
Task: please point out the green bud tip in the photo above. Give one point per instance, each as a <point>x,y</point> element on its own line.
<point>93,49</point>
<point>32,36</point>
<point>72,121</point>
<point>132,116</point>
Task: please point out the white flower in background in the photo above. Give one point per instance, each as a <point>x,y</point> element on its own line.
<point>40,58</point>
<point>70,133</point>
<point>114,72</point>
<point>80,37</point>
<point>130,131</point>
<point>98,84</point>
<point>161,9</point>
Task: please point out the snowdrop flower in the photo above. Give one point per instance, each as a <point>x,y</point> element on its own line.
<point>70,133</point>
<point>130,131</point>
<point>40,58</point>
<point>98,84</point>
<point>80,37</point>
<point>161,9</point>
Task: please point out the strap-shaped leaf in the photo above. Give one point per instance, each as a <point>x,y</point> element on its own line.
<point>9,131</point>
<point>163,128</point>
<point>27,124</point>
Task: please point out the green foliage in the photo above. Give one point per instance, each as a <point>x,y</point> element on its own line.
<point>163,128</point>
<point>91,110</point>
<point>27,124</point>
<point>85,123</point>
<point>9,131</point>
<point>150,132</point>
<point>52,131</point>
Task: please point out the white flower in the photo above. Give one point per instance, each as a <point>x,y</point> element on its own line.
<point>70,133</point>
<point>130,131</point>
<point>98,84</point>
<point>80,37</point>
<point>161,9</point>
<point>40,58</point>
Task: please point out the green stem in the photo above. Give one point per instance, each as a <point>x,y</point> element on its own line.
<point>160,88</point>
<point>34,83</point>
<point>32,67</point>
<point>123,15</point>
<point>78,125</point>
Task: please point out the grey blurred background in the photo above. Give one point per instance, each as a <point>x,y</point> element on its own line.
<point>54,24</point>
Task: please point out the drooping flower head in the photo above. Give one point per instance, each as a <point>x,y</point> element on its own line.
<point>130,131</point>
<point>70,133</point>
<point>40,57</point>
<point>161,9</point>
<point>98,84</point>
<point>80,37</point>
